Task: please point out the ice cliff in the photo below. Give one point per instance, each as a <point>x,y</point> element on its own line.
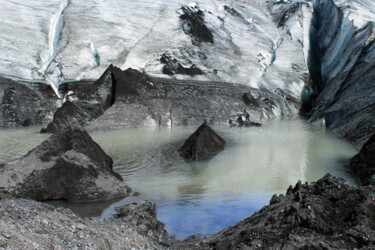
<point>341,63</point>
<point>326,45</point>
<point>227,41</point>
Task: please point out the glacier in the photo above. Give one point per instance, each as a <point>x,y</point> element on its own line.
<point>323,48</point>
<point>62,40</point>
<point>342,68</point>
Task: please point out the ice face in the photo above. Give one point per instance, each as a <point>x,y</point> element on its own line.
<point>341,69</point>
<point>71,40</point>
<point>253,42</point>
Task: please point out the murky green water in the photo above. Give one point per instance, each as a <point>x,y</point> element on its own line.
<point>16,142</point>
<point>205,197</point>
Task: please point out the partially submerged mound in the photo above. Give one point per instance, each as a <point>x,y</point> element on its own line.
<point>362,165</point>
<point>69,165</point>
<point>327,214</point>
<point>203,143</point>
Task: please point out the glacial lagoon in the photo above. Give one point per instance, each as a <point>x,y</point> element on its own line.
<point>206,196</point>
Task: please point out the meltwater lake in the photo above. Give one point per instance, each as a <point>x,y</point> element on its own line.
<point>206,196</point>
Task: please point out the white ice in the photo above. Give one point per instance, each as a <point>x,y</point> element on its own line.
<point>56,41</point>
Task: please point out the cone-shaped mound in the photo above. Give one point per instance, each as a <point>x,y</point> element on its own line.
<point>203,143</point>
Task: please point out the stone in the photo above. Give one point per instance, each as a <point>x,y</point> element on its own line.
<point>69,166</point>
<point>362,165</point>
<point>129,82</point>
<point>249,99</point>
<point>142,215</point>
<point>22,227</point>
<point>202,144</point>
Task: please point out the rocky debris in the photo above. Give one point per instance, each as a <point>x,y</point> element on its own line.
<point>21,105</point>
<point>193,24</point>
<point>142,100</point>
<point>203,143</point>
<point>172,66</point>
<point>329,213</point>
<point>27,224</point>
<point>243,120</point>
<point>249,99</point>
<point>282,11</point>
<point>88,92</point>
<point>342,78</point>
<point>142,216</point>
<point>69,165</point>
<point>362,165</point>
<point>235,13</point>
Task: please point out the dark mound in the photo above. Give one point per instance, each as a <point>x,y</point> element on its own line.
<point>69,114</point>
<point>86,101</point>
<point>69,166</point>
<point>203,143</point>
<point>362,165</point>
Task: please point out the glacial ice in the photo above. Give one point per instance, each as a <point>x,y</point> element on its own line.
<point>262,45</point>
<point>341,71</point>
<point>71,40</point>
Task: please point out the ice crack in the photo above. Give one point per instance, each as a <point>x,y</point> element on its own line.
<point>55,29</point>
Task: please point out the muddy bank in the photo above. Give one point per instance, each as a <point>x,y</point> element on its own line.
<point>362,165</point>
<point>27,224</point>
<point>329,213</point>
